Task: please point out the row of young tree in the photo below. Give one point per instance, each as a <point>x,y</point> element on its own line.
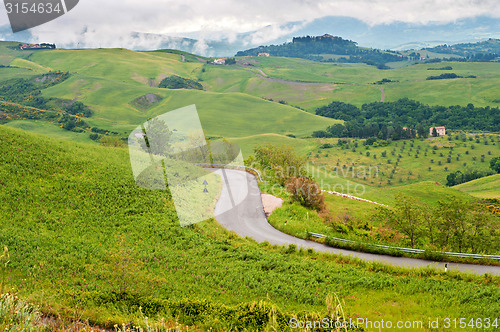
<point>404,118</point>
<point>454,224</point>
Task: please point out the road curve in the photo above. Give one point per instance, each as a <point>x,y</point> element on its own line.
<point>248,219</point>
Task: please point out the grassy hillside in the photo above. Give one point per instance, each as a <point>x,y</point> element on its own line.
<point>110,80</point>
<point>7,54</point>
<point>355,81</point>
<point>118,64</point>
<point>85,241</point>
<point>401,162</point>
<point>487,187</point>
<point>49,129</point>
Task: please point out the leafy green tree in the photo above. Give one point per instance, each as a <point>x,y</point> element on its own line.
<point>495,164</point>
<point>177,82</point>
<point>406,217</point>
<point>157,137</point>
<point>454,222</point>
<point>421,131</point>
<point>337,130</point>
<point>280,163</point>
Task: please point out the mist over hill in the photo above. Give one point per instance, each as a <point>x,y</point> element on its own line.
<point>394,36</point>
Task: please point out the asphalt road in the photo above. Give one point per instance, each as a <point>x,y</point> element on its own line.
<point>240,210</point>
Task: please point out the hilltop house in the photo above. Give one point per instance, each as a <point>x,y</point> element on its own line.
<point>220,61</point>
<point>440,131</point>
<point>41,46</point>
<point>263,54</point>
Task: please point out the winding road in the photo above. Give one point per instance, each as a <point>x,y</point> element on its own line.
<point>248,219</point>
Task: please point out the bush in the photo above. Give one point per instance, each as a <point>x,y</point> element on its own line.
<point>94,136</point>
<point>495,164</point>
<point>111,141</point>
<point>307,192</point>
<point>177,82</point>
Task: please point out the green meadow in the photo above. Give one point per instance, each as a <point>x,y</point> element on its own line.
<point>402,162</point>
<point>487,187</point>
<point>49,129</point>
<point>86,243</point>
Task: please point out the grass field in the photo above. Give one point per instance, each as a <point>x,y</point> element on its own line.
<point>118,64</point>
<point>8,73</point>
<point>76,215</point>
<point>49,129</point>
<point>33,66</point>
<point>356,81</point>
<point>85,242</point>
<point>7,54</point>
<point>249,143</point>
<point>109,80</point>
<point>405,162</point>
<point>288,79</point>
<point>487,187</point>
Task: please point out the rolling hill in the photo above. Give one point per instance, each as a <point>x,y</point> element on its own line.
<point>487,187</point>
<point>84,240</point>
<point>109,80</point>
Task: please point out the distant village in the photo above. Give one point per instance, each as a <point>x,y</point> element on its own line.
<point>222,61</point>
<point>31,47</point>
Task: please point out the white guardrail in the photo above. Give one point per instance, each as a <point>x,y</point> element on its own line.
<point>408,250</point>
<point>233,166</point>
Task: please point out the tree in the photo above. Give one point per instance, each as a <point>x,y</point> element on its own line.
<point>495,164</point>
<point>434,132</point>
<point>406,217</point>
<point>280,163</point>
<point>157,137</point>
<point>421,131</point>
<point>455,222</point>
<point>337,130</point>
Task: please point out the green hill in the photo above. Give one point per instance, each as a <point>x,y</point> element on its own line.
<point>326,48</point>
<point>487,187</point>
<point>482,51</point>
<point>109,81</point>
<point>84,241</point>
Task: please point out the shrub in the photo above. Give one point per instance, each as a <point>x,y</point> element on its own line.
<point>307,192</point>
<point>111,141</point>
<point>177,82</point>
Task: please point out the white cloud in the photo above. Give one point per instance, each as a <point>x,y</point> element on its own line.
<point>94,23</point>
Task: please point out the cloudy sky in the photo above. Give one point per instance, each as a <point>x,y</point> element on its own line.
<point>97,23</point>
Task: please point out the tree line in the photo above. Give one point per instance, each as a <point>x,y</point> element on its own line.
<point>454,224</point>
<point>458,177</point>
<point>404,118</point>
